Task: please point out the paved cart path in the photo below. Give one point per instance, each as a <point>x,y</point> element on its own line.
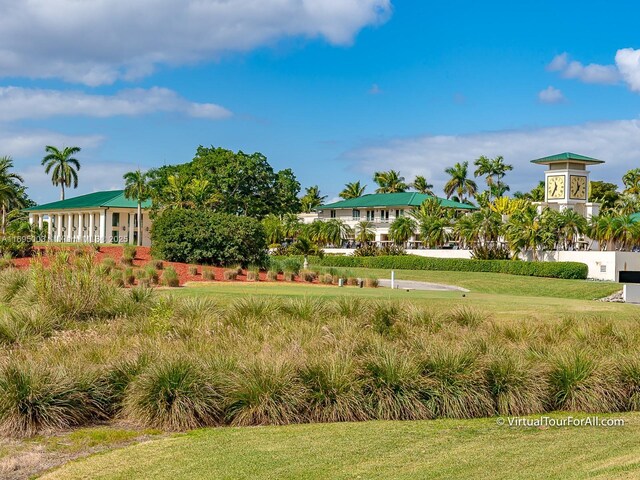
<point>415,285</point>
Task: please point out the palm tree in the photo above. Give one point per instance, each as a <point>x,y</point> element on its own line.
<point>421,185</point>
<point>304,246</point>
<point>10,194</point>
<point>364,231</point>
<point>312,199</point>
<point>389,182</point>
<point>334,231</point>
<point>459,183</point>
<point>402,229</point>
<point>490,168</point>
<point>435,231</point>
<point>352,190</point>
<point>529,230</point>
<point>572,224</point>
<point>627,231</point>
<point>273,228</point>
<point>485,168</point>
<point>603,230</point>
<point>201,194</point>
<point>136,188</point>
<point>631,181</point>
<point>65,167</point>
<point>291,226</point>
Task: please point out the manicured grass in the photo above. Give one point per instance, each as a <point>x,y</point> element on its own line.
<point>437,449</point>
<point>502,284</point>
<point>499,306</point>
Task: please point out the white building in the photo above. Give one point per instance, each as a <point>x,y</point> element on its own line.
<point>381,209</point>
<point>101,217</point>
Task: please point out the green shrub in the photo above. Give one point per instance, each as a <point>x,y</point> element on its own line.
<point>292,265</point>
<point>205,237</point>
<point>173,395</point>
<point>566,270</point>
<point>151,274</point>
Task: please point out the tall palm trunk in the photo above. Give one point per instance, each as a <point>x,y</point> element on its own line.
<point>139,223</point>
<point>62,191</point>
<point>4,218</point>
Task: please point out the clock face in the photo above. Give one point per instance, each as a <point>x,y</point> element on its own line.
<point>555,187</point>
<point>578,187</point>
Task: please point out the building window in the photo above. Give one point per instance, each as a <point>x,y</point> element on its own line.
<point>356,214</point>
<point>333,214</point>
<point>384,215</point>
<point>370,215</point>
<point>115,219</point>
<point>399,213</point>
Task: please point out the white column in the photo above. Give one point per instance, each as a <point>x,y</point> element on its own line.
<point>80,235</point>
<point>69,232</point>
<point>50,227</point>
<point>31,219</point>
<point>91,227</point>
<point>40,221</point>
<point>103,226</point>
<point>131,227</point>
<point>58,227</point>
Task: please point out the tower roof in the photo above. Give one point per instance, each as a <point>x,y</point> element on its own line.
<point>567,157</point>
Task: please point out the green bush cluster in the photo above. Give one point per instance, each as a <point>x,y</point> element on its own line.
<point>16,247</point>
<point>206,237</point>
<point>566,270</point>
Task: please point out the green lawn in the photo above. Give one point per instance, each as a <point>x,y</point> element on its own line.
<point>438,449</point>
<point>503,284</point>
<point>499,306</point>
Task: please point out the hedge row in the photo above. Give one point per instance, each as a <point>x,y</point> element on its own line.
<point>568,270</point>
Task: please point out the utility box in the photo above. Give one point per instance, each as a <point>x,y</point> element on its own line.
<point>631,293</point>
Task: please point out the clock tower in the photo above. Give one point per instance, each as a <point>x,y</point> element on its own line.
<point>566,182</point>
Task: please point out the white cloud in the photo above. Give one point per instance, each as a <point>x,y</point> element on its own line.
<point>615,142</point>
<point>99,41</point>
<point>19,144</point>
<point>375,89</point>
<point>628,62</point>
<point>551,95</point>
<point>592,73</point>
<point>20,103</point>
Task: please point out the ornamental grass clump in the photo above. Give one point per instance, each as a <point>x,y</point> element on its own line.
<point>21,324</point>
<point>580,383</point>
<point>36,398</point>
<point>264,392</point>
<point>272,275</point>
<point>230,274</point>
<point>394,386</point>
<point>170,277</point>
<point>456,384</point>
<point>517,387</point>
<point>334,390</point>
<point>193,270</point>
<point>208,274</point>
<point>173,395</point>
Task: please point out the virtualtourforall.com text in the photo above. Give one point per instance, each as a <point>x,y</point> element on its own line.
<point>569,421</point>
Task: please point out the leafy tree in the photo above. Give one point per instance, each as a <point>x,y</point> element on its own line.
<point>62,166</point>
<point>389,182</point>
<point>12,194</point>
<point>402,229</point>
<point>422,186</point>
<point>536,194</point>
<point>627,204</point>
<point>312,199</point>
<point>631,181</point>
<point>528,230</point>
<point>606,194</point>
<point>603,229</point>
<point>352,190</point>
<point>435,231</point>
<point>227,182</point>
<point>627,231</point>
<point>136,188</point>
<point>291,225</point>
<point>334,231</point>
<point>459,183</point>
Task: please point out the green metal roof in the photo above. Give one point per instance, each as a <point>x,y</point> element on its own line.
<point>567,157</point>
<point>403,199</point>
<point>108,199</point>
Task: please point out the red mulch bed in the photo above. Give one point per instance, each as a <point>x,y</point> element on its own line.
<point>143,257</point>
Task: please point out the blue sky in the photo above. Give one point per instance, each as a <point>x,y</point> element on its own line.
<point>334,89</point>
